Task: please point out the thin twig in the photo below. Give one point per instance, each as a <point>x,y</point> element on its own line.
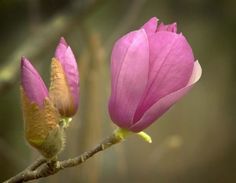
<point>37,164</point>
<point>43,168</point>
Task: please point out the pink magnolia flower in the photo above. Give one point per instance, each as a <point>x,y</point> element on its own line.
<point>64,88</point>
<point>32,84</point>
<point>151,68</point>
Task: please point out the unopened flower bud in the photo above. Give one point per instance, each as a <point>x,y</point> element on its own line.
<point>64,88</point>
<point>41,118</point>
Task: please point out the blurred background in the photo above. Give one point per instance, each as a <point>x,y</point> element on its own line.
<point>194,142</point>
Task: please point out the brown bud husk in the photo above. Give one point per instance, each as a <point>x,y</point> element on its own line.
<point>42,129</point>
<point>59,91</point>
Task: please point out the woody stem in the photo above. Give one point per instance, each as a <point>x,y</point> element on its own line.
<point>44,168</point>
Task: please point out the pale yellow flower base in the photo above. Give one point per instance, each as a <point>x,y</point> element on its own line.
<point>123,134</point>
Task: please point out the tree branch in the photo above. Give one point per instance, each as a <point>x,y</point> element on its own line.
<point>44,168</point>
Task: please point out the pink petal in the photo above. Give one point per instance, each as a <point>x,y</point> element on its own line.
<point>32,83</point>
<point>151,25</point>
<point>67,59</point>
<point>61,49</point>
<point>118,55</point>
<point>71,70</point>
<point>129,69</point>
<point>160,107</point>
<point>171,64</point>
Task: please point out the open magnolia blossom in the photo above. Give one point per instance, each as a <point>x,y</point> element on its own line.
<point>43,111</point>
<point>151,69</point>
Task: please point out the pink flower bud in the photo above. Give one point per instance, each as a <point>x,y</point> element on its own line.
<point>151,68</point>
<point>41,118</point>
<point>32,83</point>
<point>64,88</point>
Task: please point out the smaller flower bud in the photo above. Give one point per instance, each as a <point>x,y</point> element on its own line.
<point>41,118</point>
<point>64,88</point>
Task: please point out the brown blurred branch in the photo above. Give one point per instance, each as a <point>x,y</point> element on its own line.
<point>37,42</point>
<point>44,168</point>
<point>135,7</point>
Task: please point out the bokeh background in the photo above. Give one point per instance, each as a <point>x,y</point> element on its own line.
<point>194,142</point>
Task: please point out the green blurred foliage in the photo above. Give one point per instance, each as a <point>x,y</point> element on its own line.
<point>194,142</point>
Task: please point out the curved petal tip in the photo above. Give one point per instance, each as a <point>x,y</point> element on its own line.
<point>63,41</point>
<point>151,25</point>
<point>196,73</point>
